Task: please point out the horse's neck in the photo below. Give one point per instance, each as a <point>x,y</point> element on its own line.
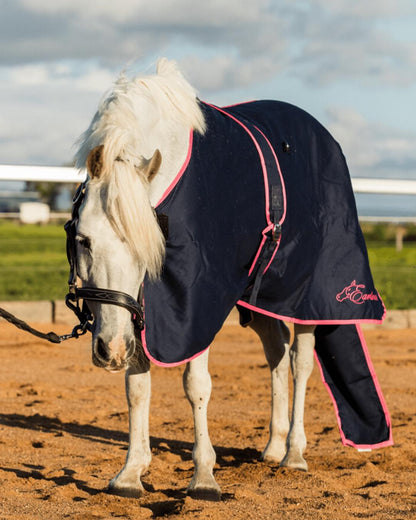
<point>173,144</point>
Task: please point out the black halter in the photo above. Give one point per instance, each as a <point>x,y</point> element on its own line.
<point>86,294</point>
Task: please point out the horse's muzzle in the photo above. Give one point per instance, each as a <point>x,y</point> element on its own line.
<point>111,358</point>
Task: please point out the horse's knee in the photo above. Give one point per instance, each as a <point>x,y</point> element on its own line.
<point>301,353</point>
<point>137,388</point>
<point>197,380</point>
<point>274,335</point>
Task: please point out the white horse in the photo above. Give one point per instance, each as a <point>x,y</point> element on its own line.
<point>133,149</point>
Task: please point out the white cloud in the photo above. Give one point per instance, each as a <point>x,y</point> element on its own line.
<point>159,12</point>
<point>59,75</point>
<point>368,9</point>
<point>118,11</point>
<point>31,74</point>
<point>320,42</point>
<point>58,57</point>
<point>339,41</point>
<point>44,108</point>
<point>371,148</point>
<point>212,74</point>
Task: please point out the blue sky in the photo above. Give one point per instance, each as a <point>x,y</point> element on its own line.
<point>350,64</point>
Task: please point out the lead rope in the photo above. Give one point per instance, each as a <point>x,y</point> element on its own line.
<point>75,293</point>
<point>77,331</point>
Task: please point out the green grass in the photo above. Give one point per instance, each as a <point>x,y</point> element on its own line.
<point>33,265</point>
<point>394,273</point>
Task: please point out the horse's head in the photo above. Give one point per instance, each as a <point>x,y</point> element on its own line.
<point>117,241</point>
<point>118,237</point>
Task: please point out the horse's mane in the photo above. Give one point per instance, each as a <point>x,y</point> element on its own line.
<point>121,124</point>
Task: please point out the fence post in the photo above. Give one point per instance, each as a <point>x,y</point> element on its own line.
<point>400,233</point>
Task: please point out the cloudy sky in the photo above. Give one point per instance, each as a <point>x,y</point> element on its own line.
<point>350,64</point>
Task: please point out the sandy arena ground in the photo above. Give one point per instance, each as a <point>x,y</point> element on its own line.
<point>63,436</point>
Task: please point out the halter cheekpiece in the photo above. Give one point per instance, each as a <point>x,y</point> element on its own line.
<point>87,294</point>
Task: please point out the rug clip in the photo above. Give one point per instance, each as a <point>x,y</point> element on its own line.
<point>276,232</point>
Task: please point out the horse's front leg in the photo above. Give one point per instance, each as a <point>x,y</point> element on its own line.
<point>275,338</point>
<point>127,482</point>
<point>301,357</point>
<point>197,386</point>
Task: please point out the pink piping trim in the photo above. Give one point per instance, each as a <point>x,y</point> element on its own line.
<point>389,442</point>
<point>238,104</point>
<point>282,182</point>
<point>262,161</point>
<point>266,185</point>
<point>280,174</point>
<point>165,194</point>
<point>344,440</point>
<point>154,360</point>
<point>167,365</point>
<point>307,322</point>
<point>181,171</point>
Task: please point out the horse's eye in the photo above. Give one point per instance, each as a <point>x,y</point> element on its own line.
<point>84,242</point>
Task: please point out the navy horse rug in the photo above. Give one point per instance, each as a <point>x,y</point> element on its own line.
<point>262,215</point>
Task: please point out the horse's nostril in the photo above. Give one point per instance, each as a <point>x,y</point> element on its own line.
<point>101,351</point>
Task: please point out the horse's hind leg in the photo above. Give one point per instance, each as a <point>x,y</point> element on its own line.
<point>127,482</point>
<point>197,385</point>
<point>275,338</point>
<point>301,357</point>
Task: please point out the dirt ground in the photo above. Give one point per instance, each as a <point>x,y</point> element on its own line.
<point>63,436</point>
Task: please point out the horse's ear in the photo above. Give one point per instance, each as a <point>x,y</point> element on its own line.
<point>95,161</point>
<point>153,165</point>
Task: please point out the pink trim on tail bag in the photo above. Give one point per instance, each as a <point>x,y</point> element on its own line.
<point>344,440</point>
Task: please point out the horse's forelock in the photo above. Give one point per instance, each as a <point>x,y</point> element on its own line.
<point>125,115</point>
<point>128,208</point>
<point>120,130</point>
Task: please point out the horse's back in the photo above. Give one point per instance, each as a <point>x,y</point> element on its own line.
<point>280,117</point>
<point>320,232</point>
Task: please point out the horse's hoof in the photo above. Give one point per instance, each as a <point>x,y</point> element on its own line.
<point>270,458</point>
<point>128,492</point>
<point>211,494</point>
<point>272,455</point>
<point>275,450</point>
<point>296,462</point>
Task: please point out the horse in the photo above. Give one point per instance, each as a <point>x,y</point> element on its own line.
<point>137,142</point>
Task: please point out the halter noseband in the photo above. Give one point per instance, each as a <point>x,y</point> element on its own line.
<point>86,294</point>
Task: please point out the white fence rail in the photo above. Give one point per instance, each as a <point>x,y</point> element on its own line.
<point>10,172</point>
<point>385,186</point>
<point>68,174</point>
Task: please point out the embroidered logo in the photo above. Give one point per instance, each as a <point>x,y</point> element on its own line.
<point>356,294</point>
